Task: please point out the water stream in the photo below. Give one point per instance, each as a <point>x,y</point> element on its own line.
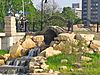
<point>19,66</point>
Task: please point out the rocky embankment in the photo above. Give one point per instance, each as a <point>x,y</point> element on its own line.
<point>63,41</point>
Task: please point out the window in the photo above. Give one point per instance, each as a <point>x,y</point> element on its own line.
<point>96,4</point>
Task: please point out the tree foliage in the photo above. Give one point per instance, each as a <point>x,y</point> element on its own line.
<point>69,14</point>
<point>3,5</point>
<point>16,6</point>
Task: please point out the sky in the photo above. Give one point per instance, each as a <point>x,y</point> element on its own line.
<point>61,3</point>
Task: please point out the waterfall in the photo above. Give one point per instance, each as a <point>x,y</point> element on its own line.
<point>16,62</point>
<point>34,52</point>
<point>10,62</point>
<point>19,66</point>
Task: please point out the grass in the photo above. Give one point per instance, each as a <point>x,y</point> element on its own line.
<point>2,52</point>
<point>89,68</point>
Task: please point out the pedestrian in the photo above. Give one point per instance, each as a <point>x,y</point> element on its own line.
<point>70,26</point>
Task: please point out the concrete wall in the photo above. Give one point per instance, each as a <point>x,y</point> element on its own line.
<point>10,36</point>
<point>7,41</point>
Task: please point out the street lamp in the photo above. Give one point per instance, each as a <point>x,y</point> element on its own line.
<point>23,7</point>
<point>42,4</point>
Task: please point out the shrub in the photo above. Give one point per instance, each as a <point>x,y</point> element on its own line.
<point>2,52</point>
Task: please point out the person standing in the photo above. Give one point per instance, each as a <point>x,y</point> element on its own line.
<point>70,25</point>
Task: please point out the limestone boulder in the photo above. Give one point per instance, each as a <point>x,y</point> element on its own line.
<point>96,42</point>
<point>28,37</point>
<point>63,68</point>
<point>49,52</point>
<point>90,51</point>
<point>6,56</point>
<point>44,66</point>
<point>85,58</point>
<point>2,62</point>
<point>51,71</point>
<point>78,37</point>
<point>64,36</point>
<point>16,51</point>
<point>77,65</point>
<point>38,38</point>
<point>57,73</point>
<point>59,46</point>
<point>64,61</point>
<point>95,46</point>
<point>87,37</point>
<point>97,50</point>
<point>28,43</point>
<point>38,70</point>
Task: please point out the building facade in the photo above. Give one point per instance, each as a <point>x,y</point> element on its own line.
<point>90,11</point>
<point>75,5</point>
<point>76,8</point>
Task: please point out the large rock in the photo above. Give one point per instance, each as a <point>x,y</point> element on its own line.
<point>87,37</point>
<point>44,66</point>
<point>28,37</point>
<point>96,42</point>
<point>64,61</point>
<point>38,70</point>
<point>77,65</point>
<point>84,58</point>
<point>60,46</point>
<point>95,46</point>
<point>16,51</point>
<point>78,37</point>
<point>97,50</point>
<point>28,43</point>
<point>7,56</point>
<point>64,36</point>
<point>38,38</point>
<point>63,68</point>
<point>90,51</point>
<point>49,52</point>
<point>2,62</point>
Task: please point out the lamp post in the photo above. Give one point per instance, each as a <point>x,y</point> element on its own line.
<point>42,5</point>
<point>23,7</point>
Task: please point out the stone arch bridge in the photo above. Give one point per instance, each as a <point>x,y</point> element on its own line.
<point>52,31</point>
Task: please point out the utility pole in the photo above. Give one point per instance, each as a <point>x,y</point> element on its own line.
<point>42,14</point>
<point>42,6</point>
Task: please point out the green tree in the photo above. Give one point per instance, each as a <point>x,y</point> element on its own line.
<point>16,6</point>
<point>69,14</point>
<point>3,5</point>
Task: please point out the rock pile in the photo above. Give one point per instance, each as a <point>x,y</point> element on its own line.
<point>75,42</point>
<point>38,65</point>
<point>67,42</point>
<point>25,44</point>
<point>64,41</point>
